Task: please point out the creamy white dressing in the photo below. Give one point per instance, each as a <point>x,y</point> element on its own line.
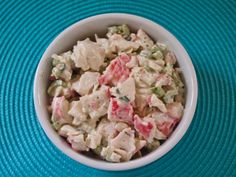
<point>88,55</point>
<point>118,96</point>
<point>86,82</point>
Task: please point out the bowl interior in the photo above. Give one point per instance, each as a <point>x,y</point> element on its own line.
<point>98,25</point>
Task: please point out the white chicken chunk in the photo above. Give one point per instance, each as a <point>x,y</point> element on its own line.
<point>133,62</point>
<point>156,102</point>
<point>124,140</point>
<point>144,40</point>
<point>106,128</point>
<point>85,53</point>
<point>142,77</point>
<point>175,109</point>
<point>96,104</point>
<point>125,156</point>
<point>141,101</point>
<point>152,65</point>
<point>170,58</point>
<point>123,145</point>
<point>93,140</point>
<point>118,43</point>
<point>109,154</point>
<point>87,126</point>
<point>105,44</point>
<point>77,142</point>
<point>115,44</point>
<point>76,112</point>
<point>67,130</point>
<point>86,82</point>
<point>121,126</point>
<point>144,91</point>
<point>163,79</point>
<point>126,88</point>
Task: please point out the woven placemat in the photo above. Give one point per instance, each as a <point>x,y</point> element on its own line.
<point>207,29</point>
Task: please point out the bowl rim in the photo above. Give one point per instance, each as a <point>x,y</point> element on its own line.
<point>149,158</point>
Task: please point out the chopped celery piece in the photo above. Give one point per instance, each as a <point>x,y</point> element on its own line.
<point>55,61</point>
<point>125,32</point>
<point>146,53</point>
<point>158,91</point>
<point>125,99</point>
<point>154,53</point>
<point>168,69</point>
<point>149,69</point>
<point>152,146</point>
<point>121,29</point>
<point>157,55</point>
<point>54,85</point>
<point>58,69</point>
<point>177,79</point>
<point>56,125</point>
<point>154,49</point>
<point>112,30</point>
<point>169,96</point>
<point>117,91</point>
<point>98,150</point>
<point>56,72</point>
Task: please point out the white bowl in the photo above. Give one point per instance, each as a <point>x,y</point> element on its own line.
<point>98,24</point>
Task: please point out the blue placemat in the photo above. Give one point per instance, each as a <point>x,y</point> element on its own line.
<point>207,29</point>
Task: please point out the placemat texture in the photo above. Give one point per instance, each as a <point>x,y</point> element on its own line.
<point>207,29</point>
